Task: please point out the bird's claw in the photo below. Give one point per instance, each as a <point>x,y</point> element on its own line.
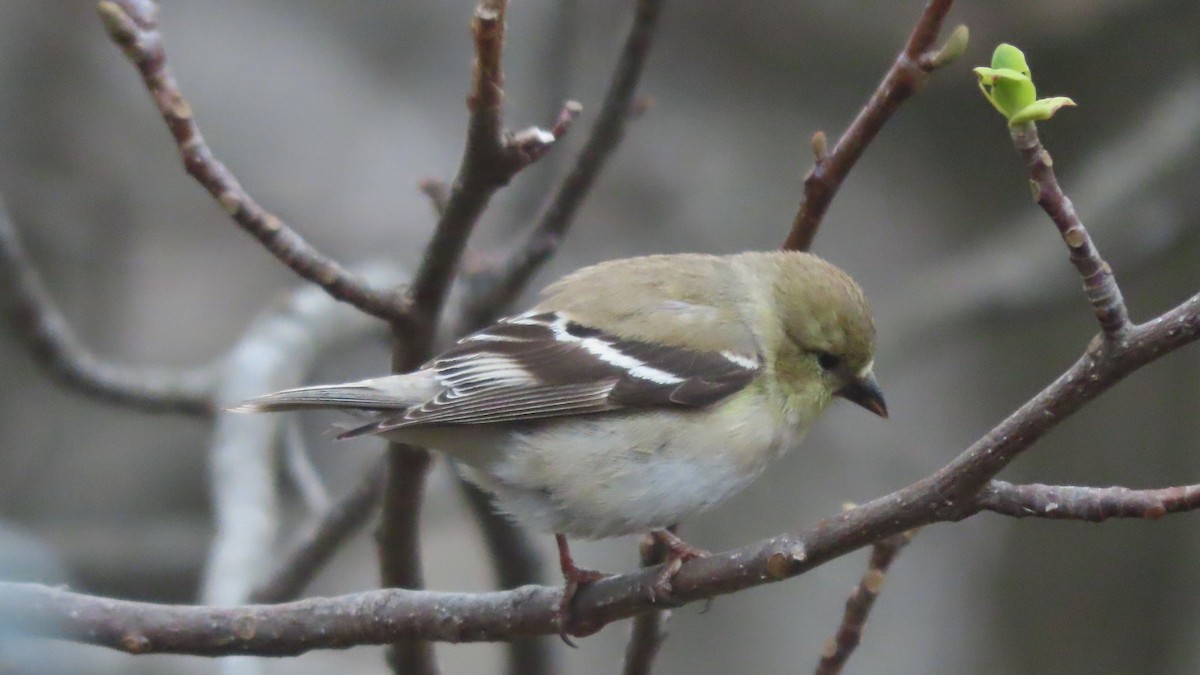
<point>678,552</point>
<point>575,578</point>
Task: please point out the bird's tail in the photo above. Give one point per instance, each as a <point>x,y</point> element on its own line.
<point>396,392</point>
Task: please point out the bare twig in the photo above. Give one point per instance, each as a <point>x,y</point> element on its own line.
<point>906,76</point>
<point>133,25</point>
<point>1091,504</point>
<point>1098,281</point>
<point>491,289</point>
<point>55,347</point>
<point>491,158</point>
<point>647,631</point>
<point>313,551</point>
<point>858,606</point>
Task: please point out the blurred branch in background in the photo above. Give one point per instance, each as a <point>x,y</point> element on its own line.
<point>276,351</point>
<point>324,538</point>
<point>299,468</point>
<point>514,563</point>
<point>56,347</point>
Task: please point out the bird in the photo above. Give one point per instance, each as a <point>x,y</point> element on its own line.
<point>634,394</point>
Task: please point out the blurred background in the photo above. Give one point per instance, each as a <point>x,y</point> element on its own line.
<point>330,113</point>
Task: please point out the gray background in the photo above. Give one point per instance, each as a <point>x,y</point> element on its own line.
<point>330,113</point>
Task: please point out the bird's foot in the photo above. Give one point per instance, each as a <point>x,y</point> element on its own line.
<point>678,552</point>
<point>574,578</point>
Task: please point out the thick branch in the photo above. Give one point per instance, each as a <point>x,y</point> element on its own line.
<point>858,606</point>
<point>56,348</point>
<point>1091,504</point>
<point>371,618</point>
<point>1105,363</point>
<point>1099,283</point>
<point>133,26</point>
<point>906,76</point>
<point>492,289</point>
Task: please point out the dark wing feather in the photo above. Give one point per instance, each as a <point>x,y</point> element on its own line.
<point>545,365</point>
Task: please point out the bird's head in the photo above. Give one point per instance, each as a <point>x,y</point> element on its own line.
<point>827,331</point>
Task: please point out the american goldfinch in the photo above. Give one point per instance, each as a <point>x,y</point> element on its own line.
<point>636,393</point>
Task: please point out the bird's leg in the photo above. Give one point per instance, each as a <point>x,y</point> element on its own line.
<point>678,552</point>
<point>574,578</point>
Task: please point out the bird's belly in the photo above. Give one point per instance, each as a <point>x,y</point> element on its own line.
<point>626,474</point>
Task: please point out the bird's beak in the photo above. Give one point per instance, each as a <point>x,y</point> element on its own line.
<point>864,390</point>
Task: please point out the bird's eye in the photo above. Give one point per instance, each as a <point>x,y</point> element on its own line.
<point>828,361</point>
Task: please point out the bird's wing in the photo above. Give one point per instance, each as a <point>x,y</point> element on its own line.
<point>546,365</point>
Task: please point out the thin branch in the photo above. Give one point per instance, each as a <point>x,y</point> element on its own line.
<point>57,349</point>
<point>1091,504</point>
<point>133,26</point>
<point>647,631</point>
<point>490,290</point>
<point>906,76</point>
<point>1012,271</point>
<point>307,557</point>
<point>1099,284</point>
<point>491,158</point>
<point>858,606</point>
